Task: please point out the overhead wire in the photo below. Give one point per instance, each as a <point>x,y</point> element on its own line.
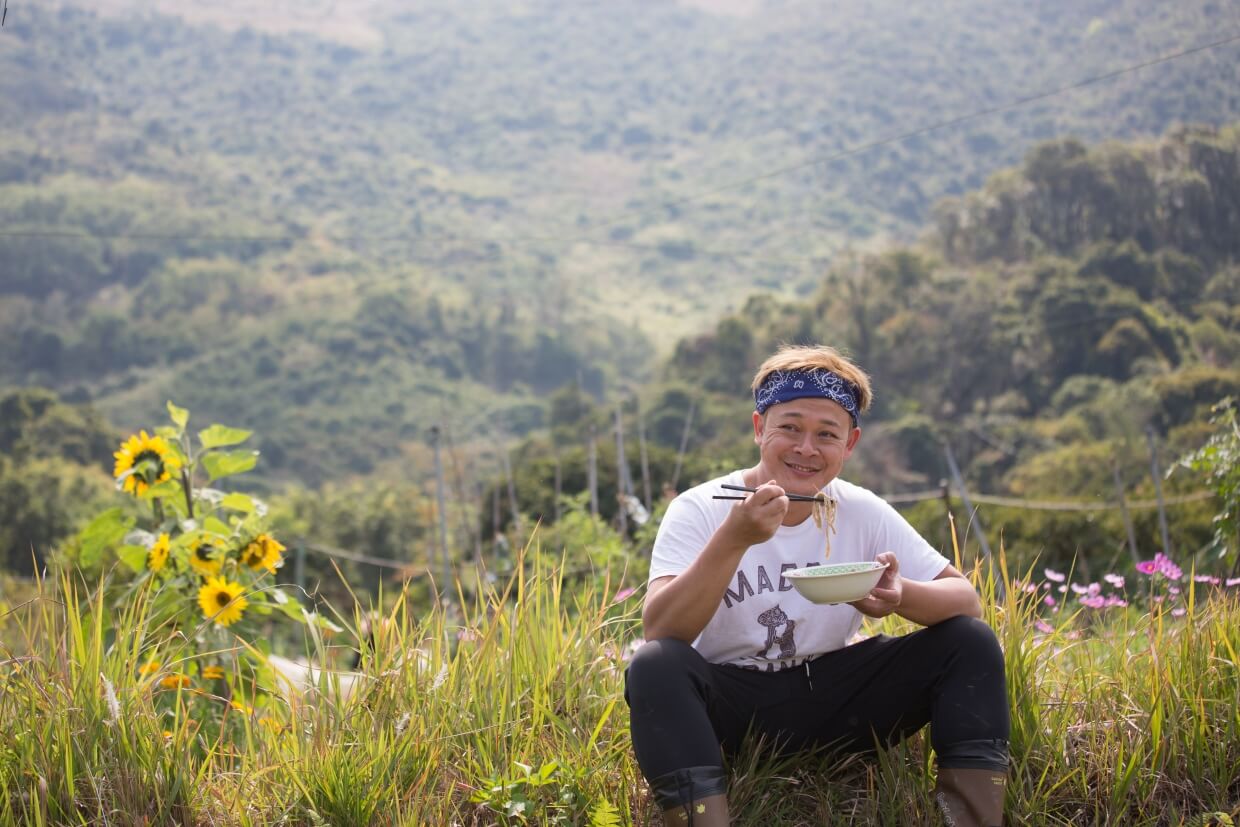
<point>418,568</point>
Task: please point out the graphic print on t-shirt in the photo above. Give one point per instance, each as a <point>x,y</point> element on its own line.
<point>772,619</point>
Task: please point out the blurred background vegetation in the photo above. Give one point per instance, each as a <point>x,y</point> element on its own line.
<point>342,226</point>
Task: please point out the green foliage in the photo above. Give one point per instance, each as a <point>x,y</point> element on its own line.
<point>1219,461</point>
<point>393,522</point>
<point>51,456</point>
<point>589,547</point>
<point>42,501</point>
<point>34,423</point>
<point>215,240</point>
<point>547,795</point>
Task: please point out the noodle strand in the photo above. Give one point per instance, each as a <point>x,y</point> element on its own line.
<point>824,517</point>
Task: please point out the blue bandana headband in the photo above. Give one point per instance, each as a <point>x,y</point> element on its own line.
<point>786,385</point>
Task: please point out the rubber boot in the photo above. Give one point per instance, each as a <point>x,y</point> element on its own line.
<point>711,811</point>
<point>970,798</point>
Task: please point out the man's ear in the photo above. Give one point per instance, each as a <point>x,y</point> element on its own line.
<point>853,439</point>
<point>759,422</point>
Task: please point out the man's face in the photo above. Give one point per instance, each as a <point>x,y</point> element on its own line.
<point>804,443</point>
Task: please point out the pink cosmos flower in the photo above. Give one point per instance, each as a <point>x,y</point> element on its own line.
<point>1048,600</point>
<point>1051,574</point>
<point>1043,627</point>
<point>1116,580</point>
<point>631,649</point>
<point>1231,581</point>
<point>1206,578</point>
<point>624,594</point>
<point>1093,601</point>
<point>1161,564</point>
<point>1179,612</point>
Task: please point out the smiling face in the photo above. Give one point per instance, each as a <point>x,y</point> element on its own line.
<point>803,444</point>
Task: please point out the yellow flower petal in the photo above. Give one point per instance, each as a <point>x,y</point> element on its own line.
<point>222,601</point>
<point>144,461</point>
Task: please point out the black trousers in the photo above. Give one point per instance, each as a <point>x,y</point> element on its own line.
<point>686,713</point>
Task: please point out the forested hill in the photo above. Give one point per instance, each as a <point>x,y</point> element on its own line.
<point>337,226</point>
<point>1044,324</point>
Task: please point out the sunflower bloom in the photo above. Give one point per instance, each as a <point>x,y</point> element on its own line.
<point>221,601</point>
<point>175,681</point>
<point>263,553</point>
<point>203,558</point>
<point>158,555</point>
<point>272,725</point>
<point>144,461</point>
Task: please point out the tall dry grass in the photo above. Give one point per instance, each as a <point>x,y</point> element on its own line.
<point>507,708</point>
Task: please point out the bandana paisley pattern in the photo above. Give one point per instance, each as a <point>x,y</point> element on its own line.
<point>786,385</point>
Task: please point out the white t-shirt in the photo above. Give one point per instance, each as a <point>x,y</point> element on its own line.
<point>762,622</point>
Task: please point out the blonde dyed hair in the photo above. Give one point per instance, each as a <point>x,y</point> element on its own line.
<point>816,357</point>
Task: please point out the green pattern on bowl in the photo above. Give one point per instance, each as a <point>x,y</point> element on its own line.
<point>833,569</point>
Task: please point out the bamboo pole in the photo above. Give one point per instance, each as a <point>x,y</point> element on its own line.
<point>622,475</point>
<point>684,443</point>
<point>641,441</point>
<point>592,470</point>
<point>1157,476</point>
<point>1123,510</point>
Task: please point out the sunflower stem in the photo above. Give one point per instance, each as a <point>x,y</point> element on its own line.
<point>158,505</point>
<point>189,493</point>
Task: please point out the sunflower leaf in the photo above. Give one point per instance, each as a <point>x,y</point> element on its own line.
<point>168,489</point>
<point>227,464</point>
<point>221,436</point>
<point>134,557</point>
<point>216,526</point>
<point>316,619</point>
<point>239,502</point>
<point>179,416</point>
<point>102,533</point>
<point>294,610</point>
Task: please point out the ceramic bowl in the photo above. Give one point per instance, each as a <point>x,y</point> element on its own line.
<point>836,583</point>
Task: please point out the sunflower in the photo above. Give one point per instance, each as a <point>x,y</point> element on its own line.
<point>263,553</point>
<point>144,461</point>
<point>221,601</point>
<point>149,668</point>
<point>158,555</point>
<point>203,559</point>
<point>213,673</point>
<point>175,681</point>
